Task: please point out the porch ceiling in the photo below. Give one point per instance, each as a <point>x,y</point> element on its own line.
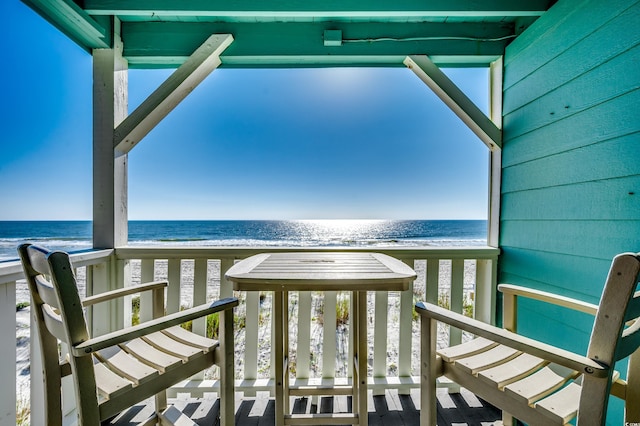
<point>292,33</point>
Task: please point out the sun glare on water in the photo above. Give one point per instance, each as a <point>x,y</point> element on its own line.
<point>343,230</point>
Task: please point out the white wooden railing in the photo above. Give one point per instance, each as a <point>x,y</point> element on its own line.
<point>464,278</point>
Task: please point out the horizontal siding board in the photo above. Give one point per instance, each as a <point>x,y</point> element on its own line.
<point>563,328</point>
<point>541,31</point>
<point>612,119</point>
<point>541,45</point>
<point>614,158</point>
<point>604,239</point>
<point>572,276</point>
<point>611,79</point>
<point>598,200</point>
<point>599,47</point>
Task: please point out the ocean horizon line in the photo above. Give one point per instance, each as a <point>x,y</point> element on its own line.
<point>383,233</point>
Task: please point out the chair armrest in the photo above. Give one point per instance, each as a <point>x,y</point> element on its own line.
<point>121,336</point>
<point>567,302</point>
<point>121,292</point>
<point>542,350</point>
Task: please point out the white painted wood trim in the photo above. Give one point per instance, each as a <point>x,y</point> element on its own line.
<point>304,334</point>
<point>456,301</point>
<point>252,306</point>
<point>110,104</point>
<point>170,93</point>
<point>329,335</point>
<point>495,155</point>
<point>173,291</point>
<point>406,332</point>
<point>7,352</point>
<point>146,275</point>
<point>380,335</point>
<point>485,294</point>
<point>200,293</point>
<point>455,99</point>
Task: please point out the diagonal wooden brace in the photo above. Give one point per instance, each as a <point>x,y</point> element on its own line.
<point>170,93</point>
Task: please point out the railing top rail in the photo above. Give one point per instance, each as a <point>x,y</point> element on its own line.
<point>12,270</point>
<point>426,252</point>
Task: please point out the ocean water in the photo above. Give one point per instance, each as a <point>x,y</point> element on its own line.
<point>76,235</point>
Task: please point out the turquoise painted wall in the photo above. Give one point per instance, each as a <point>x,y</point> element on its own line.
<point>571,159</point>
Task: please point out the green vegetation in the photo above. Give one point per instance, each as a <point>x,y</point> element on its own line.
<point>213,320</point>
<point>22,305</point>
<point>23,409</point>
<point>342,310</point>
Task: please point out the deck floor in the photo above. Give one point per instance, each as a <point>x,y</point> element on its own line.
<point>390,409</point>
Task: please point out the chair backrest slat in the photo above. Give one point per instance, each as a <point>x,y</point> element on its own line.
<point>46,291</point>
<point>38,260</point>
<point>54,324</point>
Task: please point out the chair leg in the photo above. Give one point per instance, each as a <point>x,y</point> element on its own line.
<point>161,401</point>
<point>227,390</point>
<point>507,419</point>
<point>632,402</point>
<point>428,371</point>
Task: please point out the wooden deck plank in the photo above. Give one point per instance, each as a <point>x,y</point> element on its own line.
<point>389,409</point>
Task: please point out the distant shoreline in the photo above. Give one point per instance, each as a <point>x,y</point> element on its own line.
<point>77,235</point>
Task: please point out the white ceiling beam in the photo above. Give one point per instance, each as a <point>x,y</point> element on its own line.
<point>455,99</point>
<point>170,93</point>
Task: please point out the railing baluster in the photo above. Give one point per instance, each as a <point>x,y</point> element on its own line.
<point>226,286</point>
<point>8,352</point>
<point>380,337</point>
<point>252,312</point>
<point>406,332</point>
<point>456,296</point>
<point>304,335</point>
<point>432,290</point>
<point>173,291</point>
<point>200,292</point>
<point>146,275</point>
<point>329,335</point>
<point>485,299</point>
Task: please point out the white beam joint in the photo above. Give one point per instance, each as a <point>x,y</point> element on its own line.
<point>170,93</point>
<point>455,99</point>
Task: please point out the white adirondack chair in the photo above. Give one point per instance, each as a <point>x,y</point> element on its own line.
<point>117,370</point>
<point>537,383</point>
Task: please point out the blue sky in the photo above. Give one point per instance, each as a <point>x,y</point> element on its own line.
<point>246,144</point>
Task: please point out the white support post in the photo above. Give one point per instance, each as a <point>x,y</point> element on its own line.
<point>170,93</point>
<point>485,300</point>
<point>455,99</point>
<point>495,156</point>
<point>110,97</point>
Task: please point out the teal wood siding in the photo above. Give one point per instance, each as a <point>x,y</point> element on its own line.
<point>571,159</point>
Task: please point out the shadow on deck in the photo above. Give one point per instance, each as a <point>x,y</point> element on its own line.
<point>392,409</point>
